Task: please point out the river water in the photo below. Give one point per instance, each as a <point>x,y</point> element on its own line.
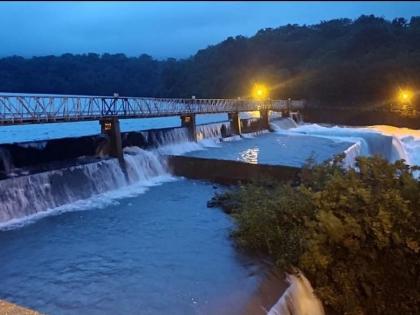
<point>161,252</point>
<point>148,244</point>
<point>275,149</point>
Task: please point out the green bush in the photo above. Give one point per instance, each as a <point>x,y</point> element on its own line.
<point>354,233</point>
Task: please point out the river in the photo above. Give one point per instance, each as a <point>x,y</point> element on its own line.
<point>149,244</point>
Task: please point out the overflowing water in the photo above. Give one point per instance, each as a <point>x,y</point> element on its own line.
<point>298,299</point>
<point>208,136</point>
<point>368,141</point>
<point>6,160</point>
<point>26,198</point>
<point>275,149</point>
<point>150,251</point>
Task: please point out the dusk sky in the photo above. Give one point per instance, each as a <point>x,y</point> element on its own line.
<point>161,29</point>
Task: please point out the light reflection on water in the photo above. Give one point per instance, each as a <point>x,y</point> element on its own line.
<point>250,155</point>
<point>275,149</point>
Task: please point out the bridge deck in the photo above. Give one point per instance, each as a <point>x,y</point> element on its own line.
<point>26,109</point>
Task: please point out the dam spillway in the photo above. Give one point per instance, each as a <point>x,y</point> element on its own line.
<point>60,178</point>
<point>145,229</point>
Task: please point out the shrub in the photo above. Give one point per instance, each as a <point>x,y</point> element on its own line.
<point>355,233</point>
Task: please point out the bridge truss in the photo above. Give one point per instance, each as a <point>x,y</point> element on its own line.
<point>24,109</point>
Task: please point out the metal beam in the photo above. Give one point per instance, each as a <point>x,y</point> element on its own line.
<point>39,109</point>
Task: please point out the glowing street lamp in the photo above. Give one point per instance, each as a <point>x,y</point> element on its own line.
<point>260,92</point>
<point>405,96</point>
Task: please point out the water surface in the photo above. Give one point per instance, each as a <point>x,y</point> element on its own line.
<point>162,252</point>
<point>272,148</point>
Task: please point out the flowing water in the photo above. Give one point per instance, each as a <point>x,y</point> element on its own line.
<point>272,148</point>
<point>148,244</point>
<point>161,252</point>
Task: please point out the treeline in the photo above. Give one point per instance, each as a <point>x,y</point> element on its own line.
<point>337,62</point>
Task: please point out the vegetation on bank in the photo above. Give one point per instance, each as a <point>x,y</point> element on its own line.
<point>337,62</point>
<point>355,234</point>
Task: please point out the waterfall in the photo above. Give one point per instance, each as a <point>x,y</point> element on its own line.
<point>29,197</point>
<point>351,153</point>
<point>211,130</point>
<point>6,163</point>
<point>26,198</point>
<point>167,136</point>
<point>369,141</point>
<point>398,151</point>
<point>298,299</point>
<point>208,135</point>
<point>282,124</point>
<point>411,146</point>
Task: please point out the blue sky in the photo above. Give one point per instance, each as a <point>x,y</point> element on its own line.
<point>160,29</point>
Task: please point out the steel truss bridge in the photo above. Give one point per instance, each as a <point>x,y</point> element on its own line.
<point>39,109</point>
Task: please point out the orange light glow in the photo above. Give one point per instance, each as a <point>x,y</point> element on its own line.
<point>259,91</point>
<point>405,96</point>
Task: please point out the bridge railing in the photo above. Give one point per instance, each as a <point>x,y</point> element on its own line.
<point>18,109</point>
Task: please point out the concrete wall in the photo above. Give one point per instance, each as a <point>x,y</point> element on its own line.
<point>228,172</point>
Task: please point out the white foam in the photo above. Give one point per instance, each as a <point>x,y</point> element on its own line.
<point>351,153</point>
<point>282,124</point>
<point>370,141</point>
<point>27,198</point>
<point>100,201</point>
<point>298,299</point>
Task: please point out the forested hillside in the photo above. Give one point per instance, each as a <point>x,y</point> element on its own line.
<point>337,62</point>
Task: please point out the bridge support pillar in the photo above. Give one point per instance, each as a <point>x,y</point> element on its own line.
<point>188,121</point>
<point>235,123</point>
<point>265,119</point>
<point>110,126</point>
<point>286,112</point>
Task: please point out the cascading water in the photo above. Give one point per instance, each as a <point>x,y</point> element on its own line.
<point>208,135</point>
<point>299,299</point>
<point>351,154</point>
<point>29,197</point>
<point>6,163</point>
<point>283,124</point>
<point>408,141</point>
<point>211,130</point>
<point>365,141</point>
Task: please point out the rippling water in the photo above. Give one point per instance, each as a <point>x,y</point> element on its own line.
<point>162,252</point>
<point>272,148</point>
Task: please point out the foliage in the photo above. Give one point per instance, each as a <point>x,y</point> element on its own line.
<point>336,62</point>
<point>354,233</point>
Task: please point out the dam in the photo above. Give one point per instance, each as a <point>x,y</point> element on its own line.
<point>79,235</point>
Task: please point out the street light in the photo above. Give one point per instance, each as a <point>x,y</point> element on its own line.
<point>259,91</point>
<point>405,96</point>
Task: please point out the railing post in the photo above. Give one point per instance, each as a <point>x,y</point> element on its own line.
<point>110,126</point>
<point>235,122</point>
<point>264,119</point>
<point>286,112</point>
<point>188,121</point>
